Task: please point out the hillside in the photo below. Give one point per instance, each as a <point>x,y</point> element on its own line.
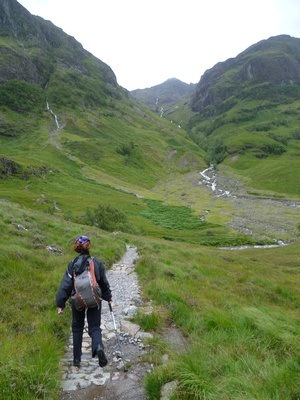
<point>78,155</point>
<point>67,128</point>
<point>165,97</point>
<point>100,142</point>
<point>244,114</point>
<point>266,69</point>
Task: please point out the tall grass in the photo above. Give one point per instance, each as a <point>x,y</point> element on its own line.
<point>34,251</point>
<point>239,313</point>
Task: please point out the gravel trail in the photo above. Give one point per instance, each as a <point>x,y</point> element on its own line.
<point>90,382</point>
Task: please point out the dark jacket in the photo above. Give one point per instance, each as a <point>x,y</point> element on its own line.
<point>78,265</point>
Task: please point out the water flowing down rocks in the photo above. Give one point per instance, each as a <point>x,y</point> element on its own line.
<point>209,179</point>
<point>90,382</point>
<point>54,115</point>
<point>261,216</point>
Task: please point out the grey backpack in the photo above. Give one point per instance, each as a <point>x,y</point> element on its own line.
<point>87,291</point>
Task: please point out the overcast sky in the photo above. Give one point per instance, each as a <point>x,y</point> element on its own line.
<point>146,42</point>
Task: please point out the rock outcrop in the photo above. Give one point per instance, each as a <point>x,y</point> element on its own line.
<point>274,62</point>
<point>34,48</point>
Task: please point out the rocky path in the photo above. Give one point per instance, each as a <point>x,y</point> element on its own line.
<point>90,382</point>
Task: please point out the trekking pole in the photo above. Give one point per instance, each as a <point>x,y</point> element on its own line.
<point>117,336</point>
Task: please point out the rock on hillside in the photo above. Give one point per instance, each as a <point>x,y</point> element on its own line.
<point>32,49</point>
<point>275,62</point>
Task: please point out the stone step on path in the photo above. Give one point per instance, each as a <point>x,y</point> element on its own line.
<point>125,303</point>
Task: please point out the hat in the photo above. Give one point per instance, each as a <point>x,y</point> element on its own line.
<point>82,239</point>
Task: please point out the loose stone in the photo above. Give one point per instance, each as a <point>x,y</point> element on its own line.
<point>126,303</point>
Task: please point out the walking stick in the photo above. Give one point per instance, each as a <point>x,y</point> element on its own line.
<point>117,336</point>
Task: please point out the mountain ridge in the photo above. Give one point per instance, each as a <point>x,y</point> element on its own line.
<point>121,174</point>
<point>275,61</point>
<point>164,95</point>
<point>101,117</point>
<point>40,48</point>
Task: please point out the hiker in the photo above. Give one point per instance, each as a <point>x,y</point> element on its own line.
<point>66,290</point>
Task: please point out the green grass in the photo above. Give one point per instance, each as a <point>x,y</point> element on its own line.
<point>240,314</point>
<point>275,173</point>
<point>239,311</point>
<point>173,217</point>
<point>261,140</point>
<point>33,336</point>
<point>96,173</point>
<point>152,321</point>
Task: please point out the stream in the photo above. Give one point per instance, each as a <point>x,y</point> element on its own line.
<point>54,115</point>
<point>268,219</point>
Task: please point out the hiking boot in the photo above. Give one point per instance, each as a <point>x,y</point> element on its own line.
<point>101,356</point>
<point>76,363</point>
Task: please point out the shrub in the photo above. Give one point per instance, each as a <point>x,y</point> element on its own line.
<point>125,149</point>
<point>108,218</point>
<point>216,152</point>
<point>21,96</point>
<point>296,135</point>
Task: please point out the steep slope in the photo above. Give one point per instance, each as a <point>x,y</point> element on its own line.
<point>274,62</point>
<point>165,96</point>
<point>247,113</point>
<point>72,139</point>
<point>43,69</point>
<point>77,155</point>
<point>33,49</point>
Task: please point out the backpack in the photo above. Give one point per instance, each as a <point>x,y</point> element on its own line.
<point>87,291</point>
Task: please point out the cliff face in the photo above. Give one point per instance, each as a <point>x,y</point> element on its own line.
<point>32,49</point>
<point>16,20</point>
<point>275,61</point>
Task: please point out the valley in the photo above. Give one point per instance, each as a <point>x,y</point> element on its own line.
<point>80,155</point>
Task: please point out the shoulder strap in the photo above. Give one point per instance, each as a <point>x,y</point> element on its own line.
<point>92,271</point>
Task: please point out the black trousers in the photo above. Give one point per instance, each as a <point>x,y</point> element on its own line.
<point>94,330</point>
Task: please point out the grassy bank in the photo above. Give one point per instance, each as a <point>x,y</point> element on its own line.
<point>240,313</point>
<point>34,251</point>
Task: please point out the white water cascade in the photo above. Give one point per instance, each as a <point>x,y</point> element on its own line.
<point>54,115</point>
<point>210,180</point>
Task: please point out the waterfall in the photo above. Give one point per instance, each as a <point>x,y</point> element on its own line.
<point>54,115</point>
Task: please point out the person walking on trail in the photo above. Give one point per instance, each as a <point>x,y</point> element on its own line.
<point>67,289</point>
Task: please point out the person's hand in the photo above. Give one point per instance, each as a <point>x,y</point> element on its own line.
<point>60,310</point>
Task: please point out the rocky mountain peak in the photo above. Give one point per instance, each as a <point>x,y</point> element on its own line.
<point>33,49</point>
<point>15,19</point>
<point>275,61</point>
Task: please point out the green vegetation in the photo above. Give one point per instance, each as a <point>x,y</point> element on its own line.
<point>149,322</point>
<point>35,249</point>
<point>108,218</point>
<point>239,313</point>
<point>264,134</point>
<point>21,96</point>
<point>238,310</point>
<point>115,166</point>
<point>172,217</point>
